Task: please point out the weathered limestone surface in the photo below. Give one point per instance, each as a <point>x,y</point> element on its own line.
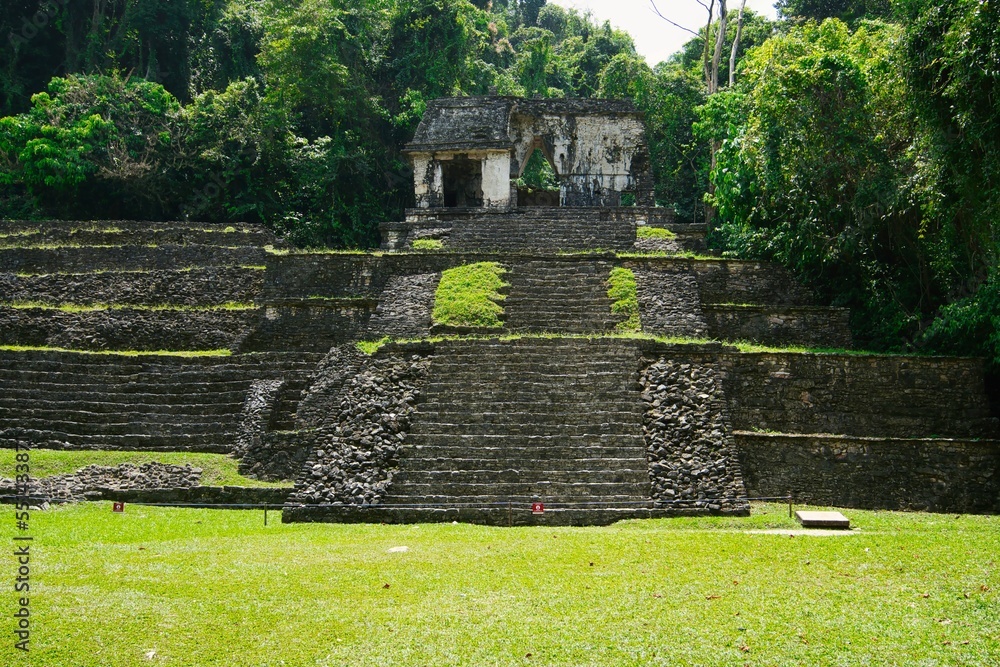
<point>360,421</point>
<point>938,475</point>
<point>125,476</point>
<point>126,328</point>
<point>669,302</point>
<point>691,453</point>
<point>404,309</point>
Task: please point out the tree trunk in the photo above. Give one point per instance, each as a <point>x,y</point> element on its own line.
<point>736,45</point>
<point>720,41</point>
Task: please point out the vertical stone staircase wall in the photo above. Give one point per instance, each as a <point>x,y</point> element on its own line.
<point>129,285</point>
<point>105,401</point>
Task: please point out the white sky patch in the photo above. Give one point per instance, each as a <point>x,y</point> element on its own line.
<point>655,39</point>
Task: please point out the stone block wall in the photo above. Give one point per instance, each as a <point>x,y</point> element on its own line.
<point>806,326</point>
<point>205,286</point>
<point>404,311</point>
<point>124,258</point>
<point>874,473</point>
<point>690,449</point>
<point>858,395</point>
<point>125,328</point>
<point>669,302</point>
<point>309,325</point>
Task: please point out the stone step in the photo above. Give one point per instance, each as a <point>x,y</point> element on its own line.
<point>524,476</point>
<point>529,402</point>
<point>495,511</point>
<point>481,434</point>
<point>97,412</point>
<point>18,394</point>
<point>538,450</point>
<point>61,440</point>
<point>579,489</point>
<point>573,418</point>
<point>553,392</point>
<point>139,427</point>
<point>84,259</point>
<point>501,462</point>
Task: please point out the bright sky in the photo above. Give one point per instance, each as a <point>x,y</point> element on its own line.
<point>655,38</point>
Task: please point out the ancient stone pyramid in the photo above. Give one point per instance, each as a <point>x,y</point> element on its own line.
<point>426,421</point>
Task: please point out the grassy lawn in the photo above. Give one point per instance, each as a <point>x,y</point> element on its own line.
<point>217,469</point>
<point>204,587</point>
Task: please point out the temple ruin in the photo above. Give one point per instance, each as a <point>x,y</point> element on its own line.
<point>329,370</point>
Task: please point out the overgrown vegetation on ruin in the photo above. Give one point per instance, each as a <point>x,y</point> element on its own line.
<point>622,290</point>
<point>647,232</point>
<point>470,296</point>
<point>905,589</point>
<point>858,144</point>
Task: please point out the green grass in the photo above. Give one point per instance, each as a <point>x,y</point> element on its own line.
<point>470,296</point>
<point>217,469</point>
<point>623,293</point>
<point>370,347</point>
<point>86,308</point>
<point>644,232</point>
<point>211,588</point>
<point>127,353</point>
<point>686,254</point>
<point>747,346</point>
<point>428,244</point>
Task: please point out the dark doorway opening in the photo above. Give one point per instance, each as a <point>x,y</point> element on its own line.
<point>463,182</point>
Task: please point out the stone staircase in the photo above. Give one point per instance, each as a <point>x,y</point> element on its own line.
<point>125,285</point>
<point>518,233</point>
<point>554,420</point>
<point>559,296</point>
<point>77,401</point>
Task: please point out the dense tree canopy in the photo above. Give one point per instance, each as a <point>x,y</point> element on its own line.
<point>859,144</point>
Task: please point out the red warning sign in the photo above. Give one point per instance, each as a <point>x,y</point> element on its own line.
<point>538,508</point>
<point>118,507</point>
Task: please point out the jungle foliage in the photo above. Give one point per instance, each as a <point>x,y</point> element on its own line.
<point>290,114</point>
<point>859,144</point>
<point>864,156</point>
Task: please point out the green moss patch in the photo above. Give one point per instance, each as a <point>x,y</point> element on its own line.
<point>127,353</point>
<point>469,296</point>
<point>623,293</point>
<point>428,244</point>
<point>645,232</point>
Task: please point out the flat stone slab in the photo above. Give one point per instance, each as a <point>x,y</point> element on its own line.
<point>810,519</point>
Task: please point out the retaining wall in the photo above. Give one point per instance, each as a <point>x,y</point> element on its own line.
<point>858,395</point>
<point>874,473</point>
<point>125,328</point>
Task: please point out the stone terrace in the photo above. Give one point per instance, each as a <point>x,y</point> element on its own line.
<point>599,428</point>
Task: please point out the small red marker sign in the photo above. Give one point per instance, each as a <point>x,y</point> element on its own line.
<point>118,507</point>
<point>538,508</point>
